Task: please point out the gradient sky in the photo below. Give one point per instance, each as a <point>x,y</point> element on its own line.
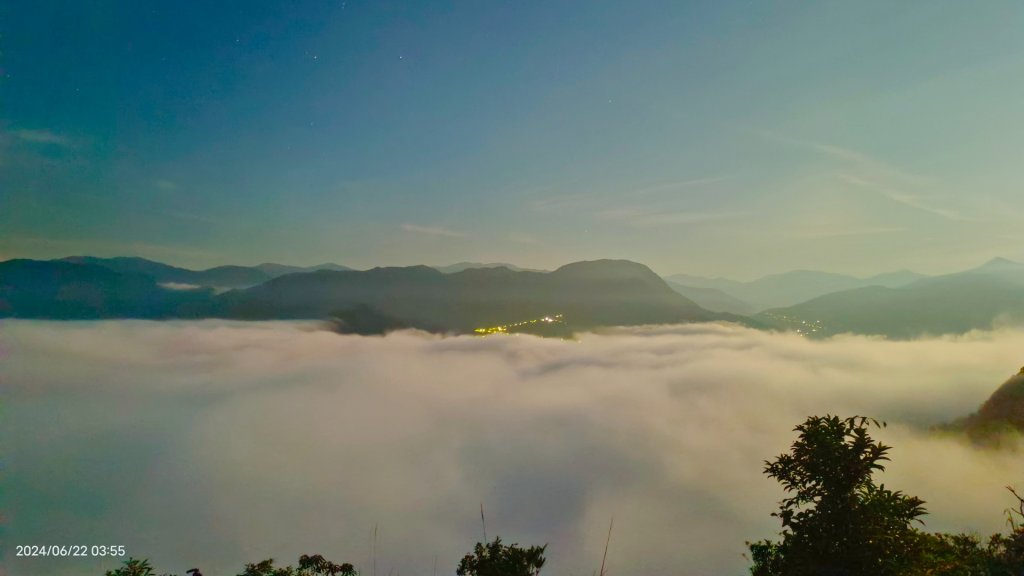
<point>717,138</point>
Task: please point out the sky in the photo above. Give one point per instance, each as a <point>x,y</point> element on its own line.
<point>236,441</point>
<point>717,138</point>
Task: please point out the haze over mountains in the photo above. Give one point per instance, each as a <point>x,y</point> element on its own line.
<point>991,294</point>
<point>217,277</point>
<point>466,296</point>
<point>789,288</point>
<point>460,266</point>
<point>713,299</point>
<point>588,294</point>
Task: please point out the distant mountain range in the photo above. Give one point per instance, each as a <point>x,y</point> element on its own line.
<point>713,299</point>
<point>466,296</point>
<point>219,277</point>
<point>460,266</point>
<point>68,290</point>
<point>587,294</point>
<point>275,270</point>
<point>980,298</point>
<point>790,288</point>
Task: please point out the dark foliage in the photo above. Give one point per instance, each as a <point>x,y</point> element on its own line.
<point>315,565</point>
<point>497,559</point>
<point>134,567</point>
<point>838,522</point>
<point>366,320</point>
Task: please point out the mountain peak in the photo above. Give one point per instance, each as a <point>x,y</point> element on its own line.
<point>605,266</point>
<point>115,259</point>
<point>463,266</point>
<point>999,263</point>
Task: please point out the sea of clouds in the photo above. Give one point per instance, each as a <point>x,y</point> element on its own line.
<point>211,444</point>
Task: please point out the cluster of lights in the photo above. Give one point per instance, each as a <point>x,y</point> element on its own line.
<point>506,327</point>
<point>805,326</point>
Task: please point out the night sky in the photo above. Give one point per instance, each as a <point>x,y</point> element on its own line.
<point>717,138</point>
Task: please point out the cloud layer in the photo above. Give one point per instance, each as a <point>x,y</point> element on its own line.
<point>212,444</point>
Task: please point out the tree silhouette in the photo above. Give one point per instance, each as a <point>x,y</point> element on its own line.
<point>135,567</point>
<point>497,559</point>
<point>315,565</point>
<point>838,522</point>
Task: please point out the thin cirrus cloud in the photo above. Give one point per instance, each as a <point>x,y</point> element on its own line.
<point>214,443</point>
<point>603,204</point>
<point>845,155</point>
<point>437,231</point>
<point>646,217</point>
<point>904,198</point>
<point>42,137</point>
<point>841,232</point>
<point>875,175</point>
<point>649,206</point>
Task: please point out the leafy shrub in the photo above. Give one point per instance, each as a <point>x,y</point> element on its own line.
<point>497,559</point>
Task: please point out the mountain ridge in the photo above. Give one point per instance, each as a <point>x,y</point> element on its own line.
<point>982,297</point>
<point>589,294</point>
<point>460,266</point>
<point>792,287</point>
<point>224,276</point>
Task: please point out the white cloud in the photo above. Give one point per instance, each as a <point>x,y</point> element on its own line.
<point>213,443</point>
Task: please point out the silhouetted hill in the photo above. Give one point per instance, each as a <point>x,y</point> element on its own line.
<point>217,277</point>
<point>996,269</point>
<point>714,299</point>
<point>954,303</point>
<point>274,270</point>
<point>460,266</point>
<point>791,288</point>
<point>326,292</point>
<point>1006,405</point>
<point>70,291</point>
<point>363,319</point>
<point>220,276</point>
<point>1001,415</point>
<point>132,265</point>
<point>894,279</point>
<point>588,294</point>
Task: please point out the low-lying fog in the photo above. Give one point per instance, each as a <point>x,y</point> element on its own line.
<point>212,444</point>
